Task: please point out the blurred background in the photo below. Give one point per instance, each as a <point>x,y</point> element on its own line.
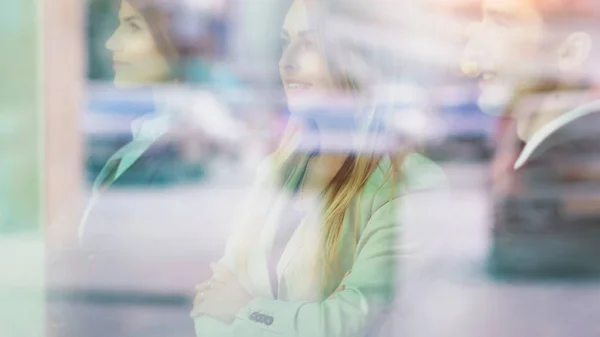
<point>149,237</point>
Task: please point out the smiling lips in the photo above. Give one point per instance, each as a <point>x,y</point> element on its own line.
<point>487,78</point>
<point>295,86</point>
<point>119,64</point>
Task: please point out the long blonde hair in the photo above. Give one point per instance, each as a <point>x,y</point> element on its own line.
<point>347,185</point>
<point>344,189</point>
<point>338,197</point>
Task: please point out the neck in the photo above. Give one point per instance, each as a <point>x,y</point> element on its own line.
<point>535,113</point>
<point>321,170</point>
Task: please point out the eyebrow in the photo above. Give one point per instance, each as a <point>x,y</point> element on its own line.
<point>307,32</point>
<point>503,16</point>
<point>284,32</point>
<point>132,18</point>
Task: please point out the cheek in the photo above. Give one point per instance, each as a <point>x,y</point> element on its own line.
<point>313,66</point>
<point>509,52</point>
<point>522,44</point>
<point>144,56</point>
<point>144,50</point>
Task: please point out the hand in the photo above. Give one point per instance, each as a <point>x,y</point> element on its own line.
<point>340,287</point>
<point>220,275</point>
<point>221,297</point>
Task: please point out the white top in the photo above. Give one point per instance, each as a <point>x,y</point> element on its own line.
<point>538,137</point>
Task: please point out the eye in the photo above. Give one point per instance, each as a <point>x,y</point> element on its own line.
<point>501,19</point>
<point>311,43</point>
<point>283,43</point>
<point>500,22</point>
<point>134,27</point>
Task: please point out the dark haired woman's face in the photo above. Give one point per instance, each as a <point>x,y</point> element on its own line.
<point>136,58</point>
<point>303,66</point>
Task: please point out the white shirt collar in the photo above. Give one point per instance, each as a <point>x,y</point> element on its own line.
<point>151,127</point>
<point>170,105</point>
<point>548,129</point>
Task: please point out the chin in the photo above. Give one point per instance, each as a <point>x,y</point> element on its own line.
<point>122,83</point>
<point>296,104</point>
<point>301,102</point>
<point>523,131</point>
<point>491,107</point>
<point>495,101</point>
<point>310,98</point>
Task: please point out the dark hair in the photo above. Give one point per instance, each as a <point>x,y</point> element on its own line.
<point>169,22</point>
<point>159,18</point>
<point>563,17</point>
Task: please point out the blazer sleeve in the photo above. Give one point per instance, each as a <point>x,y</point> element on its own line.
<point>255,201</point>
<point>369,291</point>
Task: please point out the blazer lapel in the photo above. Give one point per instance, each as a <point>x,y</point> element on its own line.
<point>258,260</point>
<point>301,251</point>
<point>108,176</point>
<point>293,249</point>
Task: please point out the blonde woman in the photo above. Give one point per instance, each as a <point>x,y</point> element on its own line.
<point>316,250</point>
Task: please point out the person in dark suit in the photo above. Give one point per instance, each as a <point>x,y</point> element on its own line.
<point>536,60</point>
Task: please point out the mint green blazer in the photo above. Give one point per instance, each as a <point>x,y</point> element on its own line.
<point>370,247</point>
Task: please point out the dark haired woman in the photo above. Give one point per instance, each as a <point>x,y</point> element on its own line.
<point>130,243</point>
<point>149,52</point>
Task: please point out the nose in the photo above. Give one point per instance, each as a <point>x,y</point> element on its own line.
<point>470,63</point>
<point>288,63</point>
<point>288,68</point>
<point>113,43</point>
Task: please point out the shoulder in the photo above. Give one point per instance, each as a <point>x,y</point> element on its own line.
<point>421,173</point>
<point>417,173</point>
<point>578,136</point>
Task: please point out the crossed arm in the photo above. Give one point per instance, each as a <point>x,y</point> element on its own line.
<point>362,298</point>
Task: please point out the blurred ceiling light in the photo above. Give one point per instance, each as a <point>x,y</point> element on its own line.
<point>411,121</point>
<point>204,5</point>
<point>403,94</point>
<point>405,45</point>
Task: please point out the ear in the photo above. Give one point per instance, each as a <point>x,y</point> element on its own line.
<point>574,51</point>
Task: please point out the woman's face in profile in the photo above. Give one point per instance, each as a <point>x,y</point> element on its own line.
<point>136,58</point>
<point>303,66</point>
